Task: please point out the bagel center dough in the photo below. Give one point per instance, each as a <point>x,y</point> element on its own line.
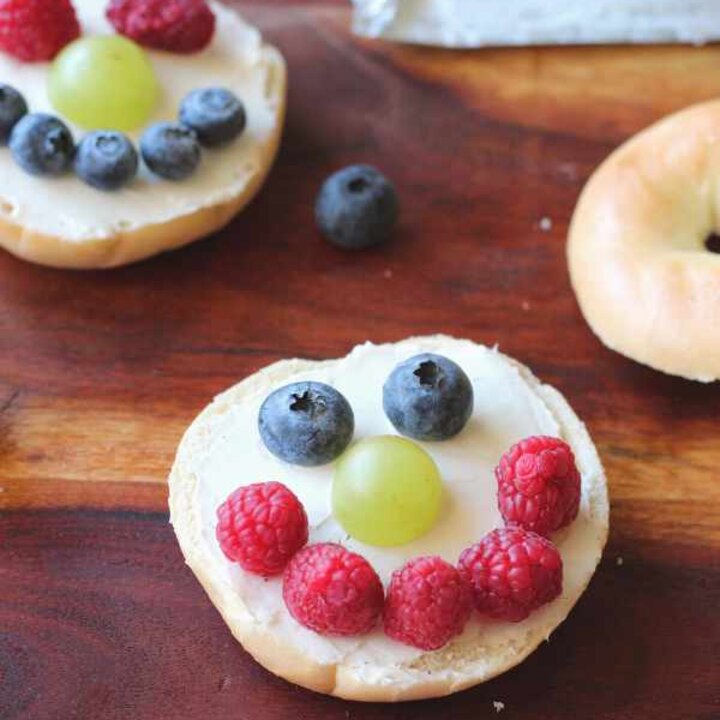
<point>507,408</point>
<point>67,207</point>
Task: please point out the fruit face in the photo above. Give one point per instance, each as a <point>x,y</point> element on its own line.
<point>103,82</point>
<point>386,491</point>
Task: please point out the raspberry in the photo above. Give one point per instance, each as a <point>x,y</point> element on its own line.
<point>36,30</point>
<point>512,572</point>
<point>428,603</point>
<point>332,591</point>
<point>181,26</point>
<point>261,527</point>
<point>538,485</point>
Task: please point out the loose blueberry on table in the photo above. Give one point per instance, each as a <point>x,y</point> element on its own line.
<point>356,207</point>
<point>387,491</point>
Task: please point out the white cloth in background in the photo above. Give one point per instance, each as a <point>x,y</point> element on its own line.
<point>478,23</point>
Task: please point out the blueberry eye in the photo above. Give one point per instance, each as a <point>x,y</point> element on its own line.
<point>307,423</point>
<point>356,207</point>
<point>428,397</point>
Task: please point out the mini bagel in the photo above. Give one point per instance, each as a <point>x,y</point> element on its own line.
<point>222,449</point>
<point>638,250</point>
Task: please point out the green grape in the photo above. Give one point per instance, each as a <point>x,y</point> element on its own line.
<point>103,83</point>
<point>386,491</point>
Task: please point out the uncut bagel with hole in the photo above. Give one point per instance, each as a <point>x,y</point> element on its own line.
<point>642,248</point>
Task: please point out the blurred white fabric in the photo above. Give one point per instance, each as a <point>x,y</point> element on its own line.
<point>478,23</point>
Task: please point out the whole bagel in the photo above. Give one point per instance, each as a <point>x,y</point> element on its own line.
<point>640,249</point>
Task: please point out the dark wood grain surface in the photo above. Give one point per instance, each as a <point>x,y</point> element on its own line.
<point>100,372</point>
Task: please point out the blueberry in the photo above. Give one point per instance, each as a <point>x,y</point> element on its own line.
<point>215,114</point>
<point>428,397</point>
<point>42,145</point>
<point>170,150</point>
<point>357,207</point>
<point>306,423</point>
<point>12,108</point>
<point>106,159</point>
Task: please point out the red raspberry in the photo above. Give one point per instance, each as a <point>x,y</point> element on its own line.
<point>512,572</point>
<point>181,26</point>
<point>332,591</point>
<point>428,603</point>
<point>261,527</point>
<point>36,30</point>
<point>538,485</point>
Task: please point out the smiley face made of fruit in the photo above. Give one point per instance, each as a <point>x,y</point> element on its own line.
<point>402,522</point>
<point>130,126</point>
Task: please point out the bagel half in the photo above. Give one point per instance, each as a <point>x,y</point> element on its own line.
<point>62,222</point>
<point>486,648</point>
<point>646,282</point>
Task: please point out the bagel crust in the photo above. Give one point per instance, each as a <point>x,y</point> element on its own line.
<point>466,661</point>
<point>646,282</point>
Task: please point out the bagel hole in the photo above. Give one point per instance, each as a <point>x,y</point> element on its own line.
<point>712,242</point>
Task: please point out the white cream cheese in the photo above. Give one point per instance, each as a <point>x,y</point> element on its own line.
<point>66,207</point>
<point>508,407</point>
<point>478,23</point>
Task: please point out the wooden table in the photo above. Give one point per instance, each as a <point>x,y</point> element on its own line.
<point>100,373</point>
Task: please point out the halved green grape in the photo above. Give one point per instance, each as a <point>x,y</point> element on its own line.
<point>386,491</point>
<point>103,83</point>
